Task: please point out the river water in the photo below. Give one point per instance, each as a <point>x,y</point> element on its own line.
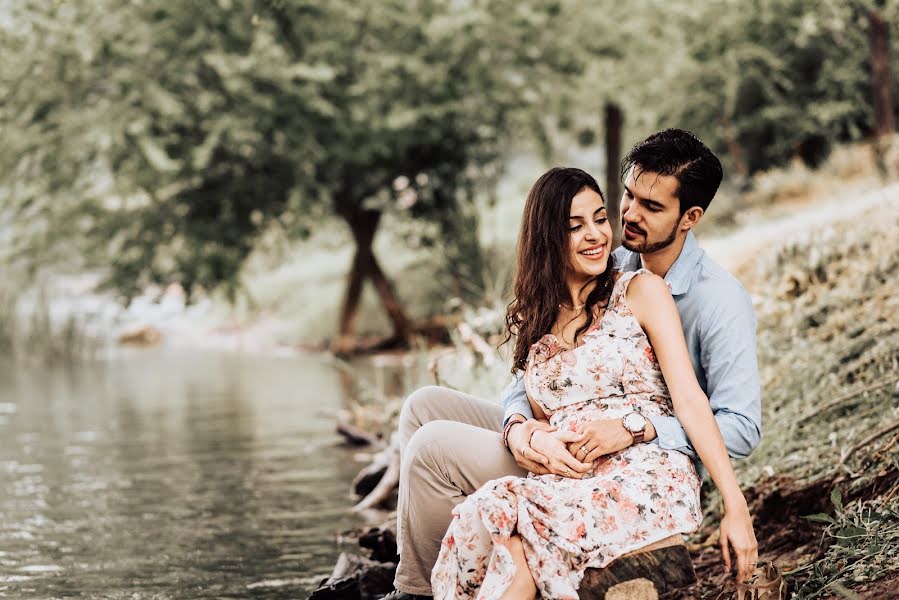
<point>171,474</point>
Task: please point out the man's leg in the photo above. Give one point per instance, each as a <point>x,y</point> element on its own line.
<point>450,445</point>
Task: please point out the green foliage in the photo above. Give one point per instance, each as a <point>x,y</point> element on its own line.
<point>779,78</point>
<point>170,136</point>
<point>861,542</point>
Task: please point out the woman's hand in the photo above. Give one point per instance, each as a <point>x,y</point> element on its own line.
<point>737,534</point>
<point>554,446</point>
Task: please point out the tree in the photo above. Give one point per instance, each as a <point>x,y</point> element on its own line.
<point>170,136</point>
<point>778,78</point>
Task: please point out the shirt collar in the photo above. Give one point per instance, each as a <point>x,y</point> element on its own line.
<point>679,276</point>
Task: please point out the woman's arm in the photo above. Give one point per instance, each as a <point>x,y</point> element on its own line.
<point>651,302</point>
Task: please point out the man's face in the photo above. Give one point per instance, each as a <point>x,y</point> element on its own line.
<point>650,212</point>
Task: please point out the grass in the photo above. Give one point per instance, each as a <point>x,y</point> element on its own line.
<point>862,547</point>
<point>35,329</point>
<point>828,348</point>
<point>828,344</point>
<point>850,169</point>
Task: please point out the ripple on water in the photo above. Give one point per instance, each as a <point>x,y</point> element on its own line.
<point>41,569</point>
<point>274,583</point>
<point>199,478</point>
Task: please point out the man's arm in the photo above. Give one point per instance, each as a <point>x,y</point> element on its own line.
<point>728,357</point>
<point>515,399</point>
<point>558,460</point>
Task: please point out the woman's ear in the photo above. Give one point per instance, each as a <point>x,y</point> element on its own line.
<point>690,218</point>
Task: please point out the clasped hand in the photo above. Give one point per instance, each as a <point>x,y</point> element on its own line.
<point>566,453</point>
<point>543,449</point>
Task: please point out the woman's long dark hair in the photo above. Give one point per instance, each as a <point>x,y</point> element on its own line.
<point>543,259</point>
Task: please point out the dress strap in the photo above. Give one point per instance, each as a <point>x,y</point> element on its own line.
<point>620,289</point>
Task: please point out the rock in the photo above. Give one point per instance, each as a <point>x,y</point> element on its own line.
<point>357,578</point>
<point>382,544</point>
<point>367,481</point>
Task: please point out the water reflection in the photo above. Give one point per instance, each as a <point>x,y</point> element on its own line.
<point>164,474</point>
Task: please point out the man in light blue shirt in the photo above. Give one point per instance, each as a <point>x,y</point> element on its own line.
<point>452,443</point>
<point>719,327</point>
<point>662,202</point>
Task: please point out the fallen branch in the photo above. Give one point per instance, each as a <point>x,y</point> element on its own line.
<point>880,432</point>
<point>357,436</point>
<point>882,383</point>
<point>390,480</point>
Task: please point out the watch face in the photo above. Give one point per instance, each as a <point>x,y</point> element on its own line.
<point>634,422</point>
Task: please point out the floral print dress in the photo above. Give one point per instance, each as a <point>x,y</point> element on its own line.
<point>629,500</point>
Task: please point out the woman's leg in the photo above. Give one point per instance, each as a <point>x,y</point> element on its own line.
<point>523,585</point>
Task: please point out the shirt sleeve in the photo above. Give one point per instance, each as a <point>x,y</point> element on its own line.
<point>515,399</point>
<point>728,357</point>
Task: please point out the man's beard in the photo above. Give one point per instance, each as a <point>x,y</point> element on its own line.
<point>649,248</point>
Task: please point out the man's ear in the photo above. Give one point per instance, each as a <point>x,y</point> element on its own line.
<point>690,218</point>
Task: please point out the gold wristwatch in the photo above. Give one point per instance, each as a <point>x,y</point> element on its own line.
<point>635,424</point>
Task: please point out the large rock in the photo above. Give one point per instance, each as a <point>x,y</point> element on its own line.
<point>356,578</point>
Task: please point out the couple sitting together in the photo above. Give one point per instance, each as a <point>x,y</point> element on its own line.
<point>632,369</point>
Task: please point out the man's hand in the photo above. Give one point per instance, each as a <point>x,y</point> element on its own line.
<point>602,437</point>
<point>554,446</point>
<point>526,457</point>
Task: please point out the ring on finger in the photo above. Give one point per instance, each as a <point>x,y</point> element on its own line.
<point>583,446</point>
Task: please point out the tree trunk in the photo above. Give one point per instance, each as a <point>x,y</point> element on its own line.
<point>614,119</point>
<point>879,38</point>
<point>402,328</point>
<point>364,224</point>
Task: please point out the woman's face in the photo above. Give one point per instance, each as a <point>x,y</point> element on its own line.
<point>589,235</point>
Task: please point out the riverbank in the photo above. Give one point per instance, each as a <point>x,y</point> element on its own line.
<point>823,483</point>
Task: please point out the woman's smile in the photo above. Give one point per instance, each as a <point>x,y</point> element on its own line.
<point>594,252</point>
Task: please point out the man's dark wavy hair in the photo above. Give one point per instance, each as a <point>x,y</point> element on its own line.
<point>681,154</point>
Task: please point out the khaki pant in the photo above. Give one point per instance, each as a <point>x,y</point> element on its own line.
<point>450,445</point>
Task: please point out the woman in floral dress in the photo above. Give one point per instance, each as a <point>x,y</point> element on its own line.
<point>594,345</point>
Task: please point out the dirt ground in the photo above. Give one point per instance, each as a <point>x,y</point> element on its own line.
<point>785,537</point>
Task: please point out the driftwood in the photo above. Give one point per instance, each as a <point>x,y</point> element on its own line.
<point>389,458</point>
<point>357,436</point>
<point>642,575</point>
<point>480,346</point>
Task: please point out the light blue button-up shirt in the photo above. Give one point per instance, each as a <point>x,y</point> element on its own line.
<point>719,327</point>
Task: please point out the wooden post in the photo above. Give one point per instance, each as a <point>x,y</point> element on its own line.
<point>879,38</point>
<point>614,119</point>
<point>884,122</point>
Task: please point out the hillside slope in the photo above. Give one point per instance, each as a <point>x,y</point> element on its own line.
<point>827,302</point>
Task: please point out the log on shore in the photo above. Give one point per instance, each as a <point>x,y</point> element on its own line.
<point>643,575</point>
